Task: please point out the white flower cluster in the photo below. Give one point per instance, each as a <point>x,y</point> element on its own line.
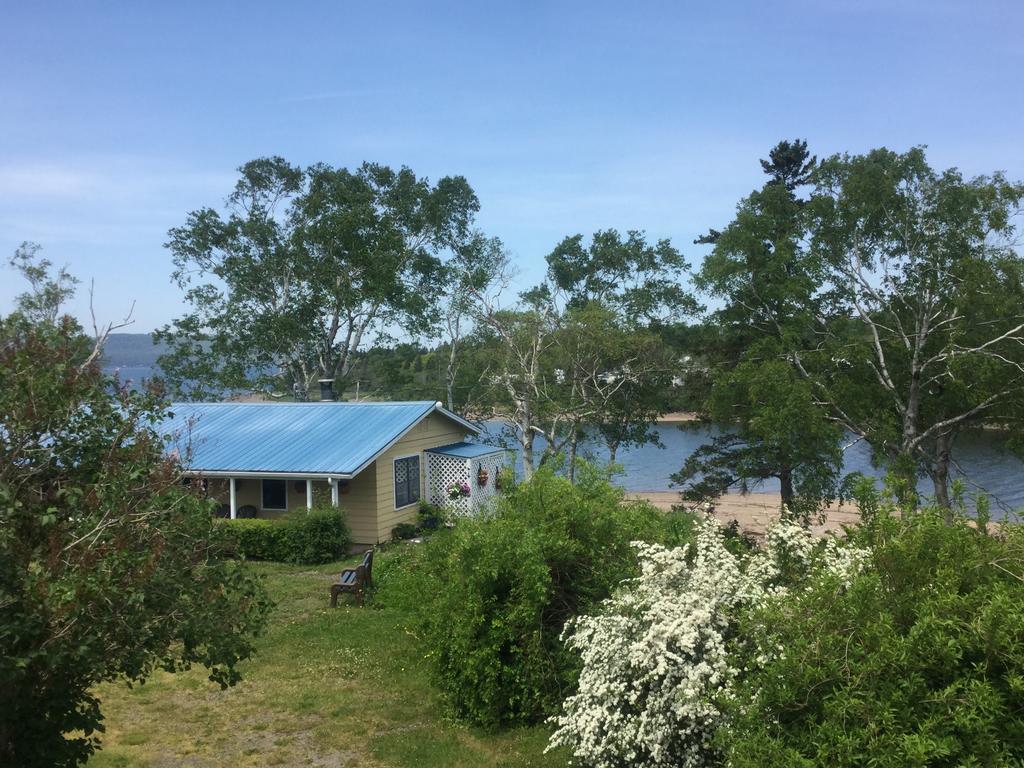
<point>656,661</point>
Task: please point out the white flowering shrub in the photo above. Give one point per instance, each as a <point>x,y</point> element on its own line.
<point>660,659</point>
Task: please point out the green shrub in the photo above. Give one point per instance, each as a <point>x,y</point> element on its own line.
<point>254,539</point>
<point>430,516</point>
<point>492,595</point>
<point>918,661</point>
<point>317,536</point>
<point>405,531</point>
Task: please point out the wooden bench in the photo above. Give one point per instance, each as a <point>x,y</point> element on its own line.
<point>354,581</point>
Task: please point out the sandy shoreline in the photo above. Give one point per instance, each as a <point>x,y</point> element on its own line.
<point>677,417</point>
<point>753,511</point>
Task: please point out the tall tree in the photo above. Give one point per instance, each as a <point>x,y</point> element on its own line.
<point>572,351</point>
<point>775,431</point>
<point>515,346</point>
<point>790,164</point>
<point>48,291</point>
<point>476,266</point>
<point>109,568</point>
<point>640,284</point>
<point>770,290</point>
<point>304,266</point>
<point>640,281</point>
<point>926,334</point>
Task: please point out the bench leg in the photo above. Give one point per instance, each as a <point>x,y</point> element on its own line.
<point>334,595</point>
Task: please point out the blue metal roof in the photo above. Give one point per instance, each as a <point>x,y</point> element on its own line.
<point>291,438</point>
<point>466,450</point>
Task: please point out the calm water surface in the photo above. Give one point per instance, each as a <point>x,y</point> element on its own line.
<point>987,465</point>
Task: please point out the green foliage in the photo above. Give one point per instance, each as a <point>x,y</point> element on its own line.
<point>109,568</point>
<point>492,595</point>
<point>640,281</point>
<point>918,661</point>
<point>768,284</point>
<point>582,349</point>
<point>405,531</point>
<point>48,291</point>
<point>894,289</point>
<point>317,536</point>
<point>776,431</point>
<point>430,516</point>
<point>302,266</point>
<point>927,264</point>
<point>254,539</point>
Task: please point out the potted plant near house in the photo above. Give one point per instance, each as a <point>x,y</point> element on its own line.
<point>458,490</point>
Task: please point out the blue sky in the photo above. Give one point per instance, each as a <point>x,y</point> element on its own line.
<point>117,119</point>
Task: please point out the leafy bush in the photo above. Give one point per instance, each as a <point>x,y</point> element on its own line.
<point>660,658</point>
<point>919,662</point>
<point>109,568</point>
<point>319,536</point>
<point>405,531</point>
<point>254,539</point>
<point>430,516</point>
<point>492,595</point>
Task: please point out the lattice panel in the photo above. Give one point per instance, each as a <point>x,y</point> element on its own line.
<point>442,472</point>
<point>482,494</point>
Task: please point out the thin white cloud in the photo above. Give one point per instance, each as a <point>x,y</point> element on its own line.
<point>46,181</point>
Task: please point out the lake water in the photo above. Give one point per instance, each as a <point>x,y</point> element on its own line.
<point>987,465</point>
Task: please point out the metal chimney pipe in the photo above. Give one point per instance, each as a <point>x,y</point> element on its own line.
<point>327,394</point>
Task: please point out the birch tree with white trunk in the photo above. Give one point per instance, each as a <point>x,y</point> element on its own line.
<point>926,335</point>
<point>303,268</point>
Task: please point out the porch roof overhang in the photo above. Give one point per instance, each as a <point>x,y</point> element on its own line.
<point>466,450</point>
<point>228,473</point>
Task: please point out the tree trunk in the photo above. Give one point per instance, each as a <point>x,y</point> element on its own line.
<point>940,473</point>
<point>786,488</point>
<point>526,440</point>
<point>613,449</point>
<point>571,455</point>
<point>449,378</point>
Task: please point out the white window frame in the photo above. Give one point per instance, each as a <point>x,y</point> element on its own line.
<point>419,479</point>
<point>274,509</point>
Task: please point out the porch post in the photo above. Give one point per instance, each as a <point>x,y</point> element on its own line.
<point>309,494</point>
<point>334,491</point>
<point>234,499</point>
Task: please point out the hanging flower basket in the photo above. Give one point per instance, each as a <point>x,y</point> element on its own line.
<point>482,477</point>
<point>458,491</point>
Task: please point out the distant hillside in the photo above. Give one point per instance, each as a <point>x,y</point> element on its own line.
<point>131,350</point>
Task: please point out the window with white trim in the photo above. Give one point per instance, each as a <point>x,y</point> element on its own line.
<point>407,481</point>
<point>275,494</point>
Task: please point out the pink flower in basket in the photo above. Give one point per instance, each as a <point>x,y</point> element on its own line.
<point>458,490</point>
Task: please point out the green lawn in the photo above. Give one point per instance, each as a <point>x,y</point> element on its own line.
<point>326,688</point>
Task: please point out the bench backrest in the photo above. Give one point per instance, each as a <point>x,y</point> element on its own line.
<point>368,566</point>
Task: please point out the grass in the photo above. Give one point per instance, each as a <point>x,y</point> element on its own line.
<point>325,688</point>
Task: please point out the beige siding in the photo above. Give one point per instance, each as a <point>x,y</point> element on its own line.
<point>433,431</point>
<point>359,501</point>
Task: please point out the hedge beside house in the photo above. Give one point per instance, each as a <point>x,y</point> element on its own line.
<point>319,536</point>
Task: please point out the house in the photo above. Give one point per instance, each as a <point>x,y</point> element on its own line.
<point>372,459</point>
